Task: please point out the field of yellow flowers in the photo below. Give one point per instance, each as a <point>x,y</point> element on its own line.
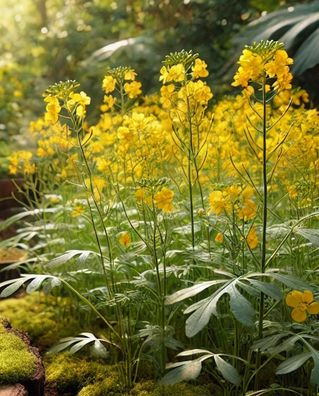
<point>184,226</point>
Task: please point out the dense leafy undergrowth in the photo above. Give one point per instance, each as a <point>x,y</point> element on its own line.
<point>182,230</point>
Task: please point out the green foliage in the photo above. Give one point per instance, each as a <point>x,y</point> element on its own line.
<point>147,388</point>
<point>16,362</point>
<point>72,374</point>
<point>296,27</point>
<point>45,318</point>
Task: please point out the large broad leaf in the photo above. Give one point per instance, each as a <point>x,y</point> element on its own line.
<point>307,55</point>
<point>191,291</point>
<point>26,213</point>
<point>36,281</point>
<point>190,369</point>
<point>293,363</point>
<point>288,280</point>
<point>269,342</point>
<point>240,306</point>
<point>77,343</point>
<point>227,370</point>
<point>309,233</point>
<point>314,378</point>
<point>182,371</point>
<point>297,27</point>
<point>67,256</point>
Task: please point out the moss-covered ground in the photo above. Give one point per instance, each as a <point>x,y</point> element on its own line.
<point>17,363</point>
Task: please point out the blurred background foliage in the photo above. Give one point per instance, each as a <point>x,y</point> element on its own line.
<point>44,41</point>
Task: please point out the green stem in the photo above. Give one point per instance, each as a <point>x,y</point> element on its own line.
<point>264,222</point>
<point>87,302</point>
<point>189,172</point>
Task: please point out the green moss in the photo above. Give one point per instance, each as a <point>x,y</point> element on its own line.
<point>182,389</point>
<point>45,318</point>
<point>149,388</point>
<point>146,388</point>
<point>109,386</point>
<point>72,374</point>
<point>16,362</point>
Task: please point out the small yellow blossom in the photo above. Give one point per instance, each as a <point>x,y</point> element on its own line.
<point>108,84</point>
<point>164,200</point>
<point>129,75</point>
<point>125,239</point>
<point>302,304</point>
<point>218,203</point>
<point>174,73</point>
<point>133,89</point>
<point>53,109</point>
<point>77,211</point>
<point>252,238</point>
<point>108,102</point>
<point>219,238</point>
<point>79,101</point>
<point>199,69</point>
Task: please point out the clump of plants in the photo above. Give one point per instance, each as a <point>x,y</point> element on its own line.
<point>186,229</point>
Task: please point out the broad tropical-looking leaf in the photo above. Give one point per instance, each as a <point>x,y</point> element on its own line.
<point>287,341</point>
<point>240,306</point>
<point>75,344</point>
<point>190,369</point>
<point>67,256</point>
<point>36,281</point>
<point>293,363</point>
<point>308,233</point>
<point>297,27</point>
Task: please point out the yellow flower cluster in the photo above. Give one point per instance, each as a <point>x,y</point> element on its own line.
<point>147,140</point>
<point>164,200</point>
<point>267,64</point>
<point>234,199</point>
<point>122,79</point>
<point>21,162</point>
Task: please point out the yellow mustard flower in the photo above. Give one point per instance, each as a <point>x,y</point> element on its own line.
<point>248,210</point>
<point>77,211</point>
<point>108,103</point>
<point>174,73</point>
<point>125,239</point>
<point>252,238</point>
<point>303,303</point>
<point>133,89</point>
<point>219,238</point>
<point>129,75</point>
<point>251,66</point>
<point>218,202</point>
<point>79,101</point>
<point>108,84</point>
<point>142,196</point>
<point>164,200</point>
<point>53,109</point>
<point>199,69</point>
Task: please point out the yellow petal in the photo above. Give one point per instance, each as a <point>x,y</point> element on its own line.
<point>313,308</point>
<point>298,315</point>
<point>294,298</point>
<point>307,296</point>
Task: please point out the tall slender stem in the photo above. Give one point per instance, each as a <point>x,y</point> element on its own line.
<point>190,156</point>
<point>264,223</point>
